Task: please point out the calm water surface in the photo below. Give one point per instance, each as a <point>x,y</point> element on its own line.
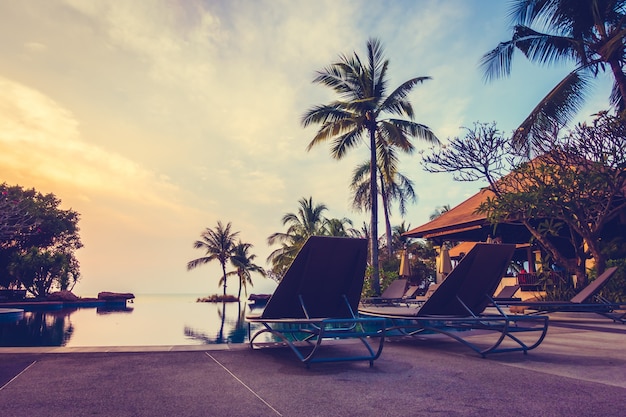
<point>152,320</point>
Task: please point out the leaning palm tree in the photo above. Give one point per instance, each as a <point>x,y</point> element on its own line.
<point>218,244</point>
<point>244,262</point>
<point>589,33</point>
<point>359,115</point>
<point>308,221</point>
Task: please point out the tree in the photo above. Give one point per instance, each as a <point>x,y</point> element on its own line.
<point>439,211</point>
<point>359,116</point>
<point>572,190</point>
<point>243,261</point>
<point>38,270</point>
<point>218,244</point>
<point>588,33</point>
<point>393,186</point>
<point>38,241</point>
<point>307,221</point>
<point>339,227</point>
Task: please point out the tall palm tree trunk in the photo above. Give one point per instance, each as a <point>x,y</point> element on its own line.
<point>374,219</point>
<point>224,275</point>
<point>386,215</point>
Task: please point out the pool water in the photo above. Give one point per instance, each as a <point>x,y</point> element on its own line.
<point>151,320</point>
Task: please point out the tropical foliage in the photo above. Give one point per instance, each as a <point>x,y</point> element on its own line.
<point>218,245</point>
<point>393,186</point>
<point>573,190</point>
<point>243,261</point>
<point>38,241</point>
<point>589,34</point>
<point>308,221</point>
<point>359,116</point>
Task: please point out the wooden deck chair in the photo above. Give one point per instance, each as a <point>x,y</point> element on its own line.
<point>394,292</point>
<point>586,301</point>
<point>459,302</point>
<point>317,300</point>
<point>507,294</point>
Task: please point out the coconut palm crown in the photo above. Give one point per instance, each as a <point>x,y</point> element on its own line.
<point>362,114</point>
<point>218,244</point>
<point>589,33</point>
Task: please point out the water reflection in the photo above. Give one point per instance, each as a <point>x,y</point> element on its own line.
<point>152,320</point>
<point>236,333</point>
<point>38,328</point>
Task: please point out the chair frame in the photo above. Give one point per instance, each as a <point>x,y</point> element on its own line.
<point>316,300</point>
<point>508,326</point>
<point>579,303</point>
<point>312,331</point>
<point>407,321</point>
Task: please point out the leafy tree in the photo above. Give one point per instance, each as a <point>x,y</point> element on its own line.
<point>243,261</point>
<point>589,33</point>
<point>38,270</point>
<point>572,190</point>
<point>218,244</point>
<point>37,241</point>
<point>359,116</point>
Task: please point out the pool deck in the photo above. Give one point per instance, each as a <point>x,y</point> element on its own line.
<point>579,369</point>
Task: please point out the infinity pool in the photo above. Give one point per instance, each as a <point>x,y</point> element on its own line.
<point>151,320</point>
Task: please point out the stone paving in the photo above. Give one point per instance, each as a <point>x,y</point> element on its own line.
<point>580,369</point>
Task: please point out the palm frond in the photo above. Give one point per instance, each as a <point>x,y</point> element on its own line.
<point>396,102</point>
<point>546,48</point>
<point>556,108</point>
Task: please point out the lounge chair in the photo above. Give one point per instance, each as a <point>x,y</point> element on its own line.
<point>396,291</point>
<point>507,294</point>
<point>458,304</point>
<point>581,302</point>
<point>317,299</point>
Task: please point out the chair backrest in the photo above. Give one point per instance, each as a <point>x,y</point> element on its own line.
<point>431,290</point>
<point>325,269</point>
<point>395,290</point>
<point>594,286</point>
<point>507,292</point>
<point>411,292</point>
<point>476,276</point>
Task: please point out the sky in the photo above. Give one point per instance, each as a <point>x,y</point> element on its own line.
<point>155,119</point>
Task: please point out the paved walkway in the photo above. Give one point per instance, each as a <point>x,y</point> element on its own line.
<point>580,369</point>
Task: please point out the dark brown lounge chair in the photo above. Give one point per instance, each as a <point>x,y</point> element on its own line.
<point>317,299</point>
<point>459,303</point>
<point>583,302</point>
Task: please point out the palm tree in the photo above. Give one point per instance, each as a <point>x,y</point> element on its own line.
<point>590,33</point>
<point>398,240</point>
<point>359,116</point>
<point>244,262</point>
<point>308,221</point>
<point>339,227</point>
<point>218,244</point>
<point>394,186</point>
<point>439,211</point>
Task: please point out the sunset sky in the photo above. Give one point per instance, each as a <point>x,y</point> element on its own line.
<point>154,119</point>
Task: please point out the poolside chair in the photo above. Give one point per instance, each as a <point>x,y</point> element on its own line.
<point>317,300</point>
<point>507,294</point>
<point>458,304</point>
<point>394,292</point>
<point>581,302</point>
